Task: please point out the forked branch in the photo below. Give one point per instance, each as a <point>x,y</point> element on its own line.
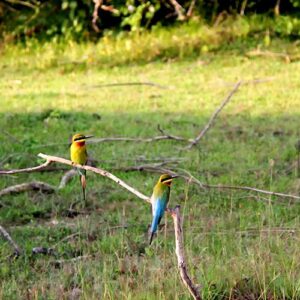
<point>99,171</point>
<point>213,117</point>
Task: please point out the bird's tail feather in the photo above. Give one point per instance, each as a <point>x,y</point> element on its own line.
<point>151,237</point>
<point>153,228</point>
<point>83,185</point>
<point>82,177</point>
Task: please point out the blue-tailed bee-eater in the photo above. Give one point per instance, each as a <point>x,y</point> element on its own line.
<point>159,200</point>
<point>79,156</point>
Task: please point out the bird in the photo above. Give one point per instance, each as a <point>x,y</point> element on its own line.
<point>79,156</point>
<point>159,200</point>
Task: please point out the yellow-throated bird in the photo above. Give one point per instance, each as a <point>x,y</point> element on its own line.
<point>79,156</point>
<point>159,200</point>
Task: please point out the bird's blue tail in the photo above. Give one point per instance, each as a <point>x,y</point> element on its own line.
<point>154,225</point>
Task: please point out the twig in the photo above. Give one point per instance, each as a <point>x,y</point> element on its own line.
<point>28,186</point>
<point>180,254</point>
<point>139,140</point>
<point>179,10</point>
<point>98,4</point>
<point>14,139</point>
<point>71,173</point>
<point>214,116</point>
<point>188,176</point>
<point>104,173</point>
<point>247,188</point>
<point>66,178</point>
<point>258,52</point>
<point>27,170</point>
<point>249,82</point>
<point>110,8</point>
<point>130,84</point>
<point>191,8</point>
<point>6,236</point>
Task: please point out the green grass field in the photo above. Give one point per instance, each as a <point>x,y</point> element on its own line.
<point>240,245</point>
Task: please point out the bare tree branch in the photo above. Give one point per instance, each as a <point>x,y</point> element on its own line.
<point>214,116</point>
<point>181,256</point>
<point>29,186</point>
<point>158,168</point>
<point>191,8</point>
<point>180,11</point>
<point>252,189</point>
<point>139,140</point>
<point>98,4</point>
<point>66,178</point>
<point>7,237</point>
<point>104,173</point>
<point>110,8</point>
<point>286,57</point>
<point>148,83</point>
<point>27,170</point>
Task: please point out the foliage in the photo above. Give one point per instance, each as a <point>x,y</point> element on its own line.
<point>73,19</point>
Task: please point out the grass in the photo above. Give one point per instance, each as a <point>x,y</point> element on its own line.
<point>239,245</point>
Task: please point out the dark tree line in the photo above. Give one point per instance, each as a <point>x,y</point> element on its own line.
<point>88,18</point>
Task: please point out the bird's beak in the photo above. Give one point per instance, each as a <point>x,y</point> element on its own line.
<point>88,136</point>
<point>174,176</point>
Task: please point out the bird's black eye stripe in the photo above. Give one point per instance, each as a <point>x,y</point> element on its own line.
<point>165,179</point>
<point>79,138</point>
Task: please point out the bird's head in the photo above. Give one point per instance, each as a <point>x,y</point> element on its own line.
<point>166,179</point>
<point>80,138</point>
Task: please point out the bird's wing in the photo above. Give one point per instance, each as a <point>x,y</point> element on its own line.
<point>159,207</point>
<point>158,210</point>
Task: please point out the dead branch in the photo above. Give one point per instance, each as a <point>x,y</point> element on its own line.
<point>277,8</point>
<point>27,170</point>
<point>28,186</point>
<point>213,117</point>
<point>243,7</point>
<point>110,8</point>
<point>188,176</point>
<point>257,52</point>
<point>191,8</point>
<point>252,189</point>
<point>6,236</point>
<point>180,11</point>
<point>148,83</point>
<point>66,178</point>
<point>181,256</point>
<point>66,239</point>
<point>139,140</point>
<point>98,4</point>
<point>155,166</point>
<point>250,81</point>
<point>102,172</point>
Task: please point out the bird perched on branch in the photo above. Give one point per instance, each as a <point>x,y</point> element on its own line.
<point>79,156</point>
<point>159,200</point>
